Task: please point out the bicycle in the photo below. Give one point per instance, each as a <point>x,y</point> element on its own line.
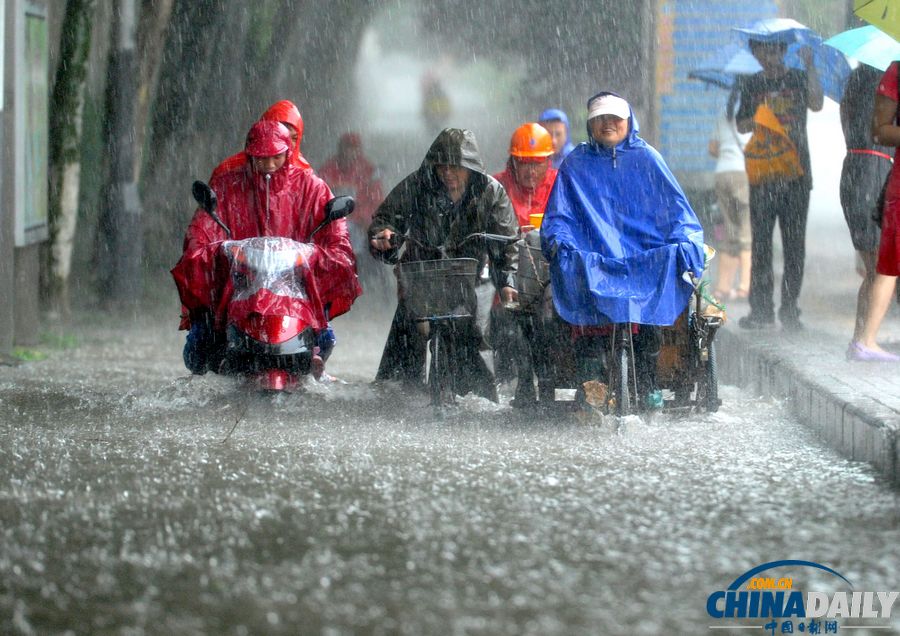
<point>440,294</point>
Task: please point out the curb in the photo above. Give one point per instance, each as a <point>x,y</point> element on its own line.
<point>856,425</point>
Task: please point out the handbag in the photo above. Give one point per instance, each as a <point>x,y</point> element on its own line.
<point>878,214</point>
<point>770,154</point>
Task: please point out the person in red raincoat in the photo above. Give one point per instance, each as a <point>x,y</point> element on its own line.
<point>268,196</point>
<point>350,172</point>
<point>528,180</point>
<point>529,177</point>
<point>288,114</point>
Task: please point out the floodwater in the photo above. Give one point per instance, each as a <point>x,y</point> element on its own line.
<point>344,509</point>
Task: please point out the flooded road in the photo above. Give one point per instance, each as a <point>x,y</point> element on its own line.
<point>345,509</point>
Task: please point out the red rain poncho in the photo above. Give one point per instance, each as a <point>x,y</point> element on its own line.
<point>356,179</point>
<point>296,199</point>
<point>525,201</point>
<point>284,111</point>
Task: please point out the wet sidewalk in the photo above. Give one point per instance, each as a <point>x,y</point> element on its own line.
<point>855,406</point>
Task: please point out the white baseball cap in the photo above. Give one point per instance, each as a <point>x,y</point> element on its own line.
<point>608,105</point>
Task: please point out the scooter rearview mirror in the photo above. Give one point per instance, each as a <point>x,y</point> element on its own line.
<point>204,196</point>
<point>339,207</point>
<point>207,200</point>
<point>336,208</point>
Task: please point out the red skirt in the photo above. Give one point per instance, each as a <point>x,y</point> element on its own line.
<point>889,250</point>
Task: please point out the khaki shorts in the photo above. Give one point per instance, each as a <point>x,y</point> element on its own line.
<point>733,197</point>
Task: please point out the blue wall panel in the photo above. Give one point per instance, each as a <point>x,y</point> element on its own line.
<point>688,109</point>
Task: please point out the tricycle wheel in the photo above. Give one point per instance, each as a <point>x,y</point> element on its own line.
<point>682,394</point>
<point>623,372</point>
<point>712,380</point>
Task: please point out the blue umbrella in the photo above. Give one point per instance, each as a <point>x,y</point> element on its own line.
<point>867,44</point>
<point>831,64</point>
<point>723,67</point>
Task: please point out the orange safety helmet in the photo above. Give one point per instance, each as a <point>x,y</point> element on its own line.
<point>531,140</point>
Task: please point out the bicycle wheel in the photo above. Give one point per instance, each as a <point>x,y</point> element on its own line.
<point>623,373</point>
<point>439,380</point>
<point>434,375</point>
<point>712,380</point>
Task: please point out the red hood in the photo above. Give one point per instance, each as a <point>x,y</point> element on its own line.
<point>285,111</point>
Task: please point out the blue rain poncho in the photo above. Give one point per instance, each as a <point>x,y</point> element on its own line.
<point>619,234</point>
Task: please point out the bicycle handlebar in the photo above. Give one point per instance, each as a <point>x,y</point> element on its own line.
<point>398,239</point>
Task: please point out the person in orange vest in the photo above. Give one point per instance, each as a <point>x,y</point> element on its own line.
<point>529,176</point>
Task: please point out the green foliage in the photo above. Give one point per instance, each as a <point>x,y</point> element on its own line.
<point>261,32</point>
<point>49,341</point>
<point>58,340</point>
<point>26,354</point>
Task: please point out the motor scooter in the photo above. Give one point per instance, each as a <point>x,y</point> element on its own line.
<point>270,331</point>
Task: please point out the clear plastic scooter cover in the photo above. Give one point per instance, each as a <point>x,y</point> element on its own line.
<point>272,263</point>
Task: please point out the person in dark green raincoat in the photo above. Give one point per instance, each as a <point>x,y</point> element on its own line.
<point>448,198</point>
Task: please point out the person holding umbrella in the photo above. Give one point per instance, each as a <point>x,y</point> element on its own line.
<point>773,106</point>
<point>866,166</point>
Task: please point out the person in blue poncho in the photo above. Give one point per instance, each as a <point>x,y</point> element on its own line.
<point>557,124</point>
<point>619,234</point>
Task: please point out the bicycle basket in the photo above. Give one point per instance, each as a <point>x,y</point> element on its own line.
<point>438,288</point>
<point>533,276</point>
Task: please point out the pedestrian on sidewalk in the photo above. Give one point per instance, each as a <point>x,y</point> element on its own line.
<point>774,104</point>
<point>885,131</point>
<point>866,166</point>
<point>733,197</point>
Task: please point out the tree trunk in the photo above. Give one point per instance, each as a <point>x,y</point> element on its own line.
<point>121,216</point>
<point>66,113</point>
<point>154,22</point>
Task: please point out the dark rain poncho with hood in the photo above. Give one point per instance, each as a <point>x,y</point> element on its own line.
<point>619,234</point>
<point>420,207</point>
